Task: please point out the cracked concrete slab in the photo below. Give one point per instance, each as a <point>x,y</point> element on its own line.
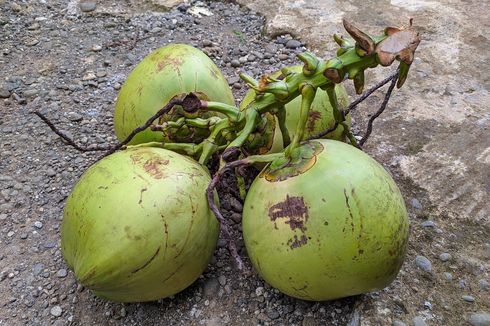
<point>436,130</point>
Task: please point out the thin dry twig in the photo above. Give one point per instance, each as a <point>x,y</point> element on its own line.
<point>380,110</point>
<point>370,91</point>
<point>66,138</point>
<point>225,228</point>
<point>354,104</point>
<point>174,101</point>
<point>111,149</point>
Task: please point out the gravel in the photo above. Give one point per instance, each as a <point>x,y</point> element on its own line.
<point>211,287</point>
<point>484,285</point>
<point>416,204</point>
<point>4,92</point>
<point>70,64</point>
<point>445,257</point>
<point>293,44</point>
<point>468,298</point>
<point>428,224</point>
<point>418,321</point>
<point>423,263</point>
<point>62,273</point>
<point>56,311</point>
<point>448,276</point>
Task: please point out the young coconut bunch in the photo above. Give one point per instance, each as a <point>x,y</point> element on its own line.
<point>118,245</point>
<point>323,220</point>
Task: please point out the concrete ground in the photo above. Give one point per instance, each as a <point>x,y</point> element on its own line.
<point>69,59</point>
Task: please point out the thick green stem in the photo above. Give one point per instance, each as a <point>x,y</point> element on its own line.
<point>202,123</point>
<point>240,181</point>
<point>251,119</point>
<point>281,117</point>
<point>232,112</point>
<point>307,96</point>
<point>209,144</point>
<point>334,103</point>
<point>348,133</point>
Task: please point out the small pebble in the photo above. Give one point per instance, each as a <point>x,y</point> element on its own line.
<point>96,48</point>
<point>34,26</point>
<point>270,48</point>
<point>37,269</point>
<point>235,63</point>
<point>448,276</point>
<point>398,323</point>
<point>468,298</point>
<point>273,314</point>
<point>445,257</point>
<point>15,7</point>
<point>75,117</point>
<point>283,56</point>
<point>88,6</point>
<point>416,204</point>
<point>4,92</point>
<point>259,291</point>
<point>38,224</point>
<point>293,44</point>
<point>480,319</point>
<point>233,80</point>
<point>56,311</point>
<point>428,224</point>
<point>211,287</point>
<point>484,285</point>
<point>31,93</point>
<point>62,273</point>
<point>423,263</point>
<point>207,43</point>
<point>50,172</point>
<point>222,280</point>
<point>419,321</point>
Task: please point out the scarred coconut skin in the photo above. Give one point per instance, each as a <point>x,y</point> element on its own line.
<point>166,72</point>
<point>329,223</point>
<point>137,226</point>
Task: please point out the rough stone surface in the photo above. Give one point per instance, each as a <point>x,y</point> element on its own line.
<point>165,4</point>
<point>418,321</point>
<point>446,93</point>
<point>479,319</point>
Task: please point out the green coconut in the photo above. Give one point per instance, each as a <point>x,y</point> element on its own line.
<point>328,223</point>
<point>320,116</point>
<point>166,72</point>
<point>137,226</point>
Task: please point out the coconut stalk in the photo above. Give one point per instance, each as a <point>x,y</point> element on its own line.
<point>353,58</point>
